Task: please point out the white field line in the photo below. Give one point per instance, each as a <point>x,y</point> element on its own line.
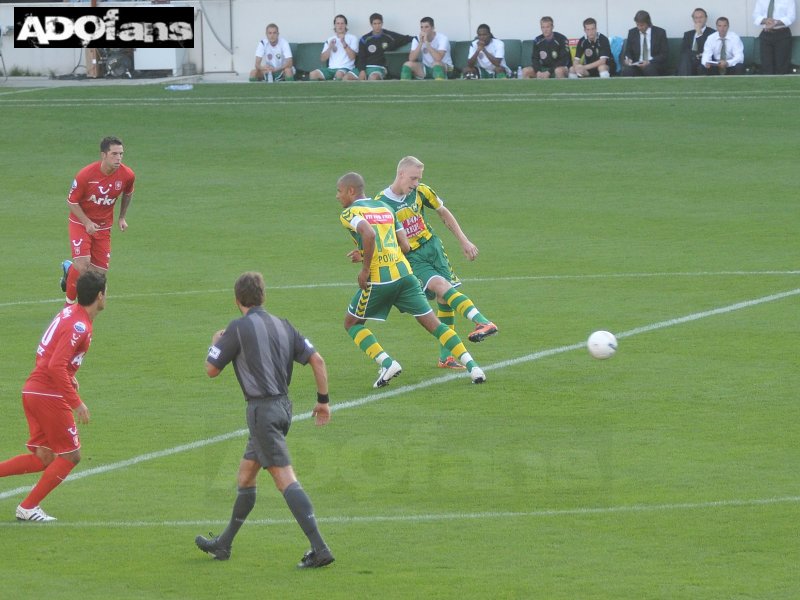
<point>533,94</point>
<point>350,284</point>
<point>440,517</point>
<point>383,395</point>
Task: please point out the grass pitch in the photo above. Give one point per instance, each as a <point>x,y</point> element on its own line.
<point>662,210</point>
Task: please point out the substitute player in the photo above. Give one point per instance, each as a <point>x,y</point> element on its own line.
<point>95,190</point>
<point>50,396</point>
<point>386,280</point>
<point>408,197</point>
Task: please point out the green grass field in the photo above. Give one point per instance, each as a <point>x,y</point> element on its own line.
<point>663,210</point>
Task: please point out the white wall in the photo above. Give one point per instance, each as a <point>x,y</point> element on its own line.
<point>238,25</point>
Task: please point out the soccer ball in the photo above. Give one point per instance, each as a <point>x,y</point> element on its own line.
<point>602,344</point>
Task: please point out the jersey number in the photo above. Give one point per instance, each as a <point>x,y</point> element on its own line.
<point>388,241</point>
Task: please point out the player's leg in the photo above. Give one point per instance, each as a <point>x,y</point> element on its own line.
<point>412,300</point>
<point>446,316</point>
<point>464,306</point>
<point>372,303</point>
<point>81,252</point>
<point>449,338</point>
<point>34,461</point>
<point>57,446</point>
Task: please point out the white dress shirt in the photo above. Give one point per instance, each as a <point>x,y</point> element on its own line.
<point>734,49</point>
<point>784,10</point>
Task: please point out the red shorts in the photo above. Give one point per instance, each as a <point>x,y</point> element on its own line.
<point>51,423</point>
<point>97,247</point>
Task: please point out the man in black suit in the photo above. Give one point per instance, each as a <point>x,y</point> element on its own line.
<point>693,43</point>
<point>646,49</point>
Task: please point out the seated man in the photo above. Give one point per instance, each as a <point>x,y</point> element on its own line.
<point>372,48</point>
<point>693,44</point>
<point>593,57</point>
<point>273,58</point>
<point>487,57</point>
<point>551,56</point>
<point>646,50</point>
<point>724,51</point>
<point>339,51</point>
<point>430,54</point>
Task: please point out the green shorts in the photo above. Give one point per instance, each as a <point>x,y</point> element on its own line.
<point>430,260</point>
<point>377,300</point>
<point>376,69</point>
<point>446,69</point>
<point>330,74</point>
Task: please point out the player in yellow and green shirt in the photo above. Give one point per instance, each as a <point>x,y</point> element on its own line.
<point>409,198</point>
<point>386,280</point>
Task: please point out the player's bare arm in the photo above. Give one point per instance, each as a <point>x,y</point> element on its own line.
<point>368,250</point>
<point>123,210</point>
<point>77,211</point>
<point>469,249</point>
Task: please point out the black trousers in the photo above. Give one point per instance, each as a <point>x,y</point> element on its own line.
<point>776,51</point>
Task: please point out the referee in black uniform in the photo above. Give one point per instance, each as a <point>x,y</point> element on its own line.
<point>263,348</point>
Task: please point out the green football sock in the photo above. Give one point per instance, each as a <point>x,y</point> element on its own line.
<point>368,344</point>
<point>405,72</point>
<point>448,317</point>
<point>461,303</point>
<point>449,339</point>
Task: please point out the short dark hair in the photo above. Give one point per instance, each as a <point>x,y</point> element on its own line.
<point>723,19</point>
<point>108,141</point>
<point>428,20</point>
<point>486,27</point>
<point>642,16</point>
<point>90,284</point>
<point>249,289</point>
<point>589,21</point>
<point>702,10</point>
<point>376,17</point>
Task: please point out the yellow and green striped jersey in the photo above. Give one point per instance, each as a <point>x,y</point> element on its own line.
<point>388,262</point>
<point>410,212</point>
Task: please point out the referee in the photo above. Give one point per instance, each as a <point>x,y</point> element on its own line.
<point>263,348</point>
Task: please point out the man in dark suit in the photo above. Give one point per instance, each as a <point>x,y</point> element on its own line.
<point>693,43</point>
<point>646,49</point>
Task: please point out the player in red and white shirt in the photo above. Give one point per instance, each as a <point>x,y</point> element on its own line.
<point>95,190</point>
<point>50,396</point>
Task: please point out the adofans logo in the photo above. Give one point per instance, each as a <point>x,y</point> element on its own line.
<point>86,27</point>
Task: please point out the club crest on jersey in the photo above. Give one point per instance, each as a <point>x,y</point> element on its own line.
<point>80,327</point>
<point>589,52</point>
<point>117,185</point>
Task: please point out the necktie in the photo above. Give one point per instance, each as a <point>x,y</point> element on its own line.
<point>645,53</point>
<point>770,9</point>
<point>694,44</point>
<point>723,55</point>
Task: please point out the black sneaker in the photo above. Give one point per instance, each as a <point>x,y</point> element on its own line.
<point>211,545</point>
<point>314,559</point>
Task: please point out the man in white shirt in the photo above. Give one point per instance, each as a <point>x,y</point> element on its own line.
<point>273,58</point>
<point>340,51</point>
<point>487,57</point>
<point>430,54</point>
<point>723,53</point>
<point>775,17</point>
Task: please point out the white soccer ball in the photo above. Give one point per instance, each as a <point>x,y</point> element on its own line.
<point>602,344</point>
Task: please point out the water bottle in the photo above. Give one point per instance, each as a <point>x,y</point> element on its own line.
<point>180,87</point>
<point>269,77</point>
<point>519,72</point>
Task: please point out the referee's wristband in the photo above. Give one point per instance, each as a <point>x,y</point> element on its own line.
<point>323,398</point>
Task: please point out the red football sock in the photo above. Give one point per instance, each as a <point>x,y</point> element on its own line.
<point>54,474</point>
<point>19,465</point>
<point>72,283</point>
